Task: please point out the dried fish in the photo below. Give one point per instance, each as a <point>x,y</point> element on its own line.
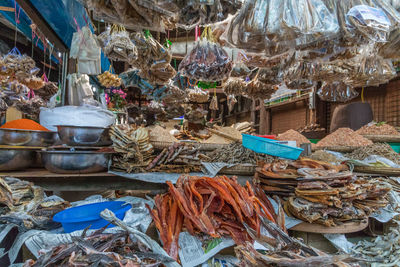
<point>380,128</point>
<point>133,148</point>
<point>235,153</point>
<point>216,206</point>
<point>292,135</point>
<point>379,149</point>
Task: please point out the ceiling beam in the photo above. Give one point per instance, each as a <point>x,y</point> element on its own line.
<point>41,23</point>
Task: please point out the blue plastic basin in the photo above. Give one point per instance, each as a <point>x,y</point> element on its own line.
<point>270,147</point>
<point>79,218</point>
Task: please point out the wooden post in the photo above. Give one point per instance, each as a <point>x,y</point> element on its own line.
<point>263,119</point>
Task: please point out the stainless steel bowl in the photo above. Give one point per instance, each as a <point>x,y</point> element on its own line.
<point>84,136</point>
<point>16,159</point>
<point>16,137</point>
<point>75,162</point>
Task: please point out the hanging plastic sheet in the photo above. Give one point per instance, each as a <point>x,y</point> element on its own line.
<point>337,92</point>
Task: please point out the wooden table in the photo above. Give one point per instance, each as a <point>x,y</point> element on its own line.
<point>89,182</point>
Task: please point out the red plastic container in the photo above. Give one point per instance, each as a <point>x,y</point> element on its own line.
<point>268,136</point>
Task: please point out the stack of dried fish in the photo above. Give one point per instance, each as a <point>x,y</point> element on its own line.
<point>235,153</point>
<point>100,249</point>
<point>217,207</point>
<point>133,148</point>
<point>234,86</point>
<point>281,177</point>
<point>23,204</point>
<point>179,157</point>
<point>380,128</point>
<point>207,61</point>
<point>47,91</point>
<point>383,250</point>
<point>344,137</point>
<point>283,250</point>
<point>331,203</point>
<point>379,149</point>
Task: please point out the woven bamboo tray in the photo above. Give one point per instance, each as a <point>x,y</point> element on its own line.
<point>378,170</point>
<point>350,227</point>
<point>245,170</point>
<point>343,149</point>
<point>383,138</point>
<point>202,147</point>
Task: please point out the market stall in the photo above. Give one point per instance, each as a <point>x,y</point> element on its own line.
<point>199,133</point>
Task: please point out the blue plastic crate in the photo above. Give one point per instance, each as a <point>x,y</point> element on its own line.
<point>270,147</point>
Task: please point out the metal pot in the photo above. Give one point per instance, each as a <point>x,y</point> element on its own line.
<point>16,137</point>
<point>84,136</point>
<point>16,159</point>
<point>75,162</point>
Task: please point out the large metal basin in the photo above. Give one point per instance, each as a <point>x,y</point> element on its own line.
<point>16,159</point>
<point>16,137</point>
<point>75,162</point>
<point>84,136</point>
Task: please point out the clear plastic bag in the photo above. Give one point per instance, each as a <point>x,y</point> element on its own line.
<point>119,46</point>
<point>207,61</point>
<point>197,95</point>
<point>240,70</point>
<point>231,102</point>
<point>368,22</point>
<point>214,103</point>
<point>337,92</point>
<point>234,86</point>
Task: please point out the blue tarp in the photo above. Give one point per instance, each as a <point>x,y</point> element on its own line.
<point>59,14</point>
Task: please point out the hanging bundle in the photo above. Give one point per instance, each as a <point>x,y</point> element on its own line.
<point>231,102</point>
<point>214,101</point>
<point>208,61</point>
<point>108,80</point>
<point>234,86</point>
<point>118,46</point>
<point>197,95</point>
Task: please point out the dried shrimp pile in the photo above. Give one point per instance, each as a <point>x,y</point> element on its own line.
<point>234,86</point>
<point>379,149</point>
<point>378,129</point>
<point>133,148</point>
<point>235,153</point>
<point>344,137</point>
<point>292,135</point>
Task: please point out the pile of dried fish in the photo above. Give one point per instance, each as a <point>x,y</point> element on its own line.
<point>292,135</point>
<point>344,137</point>
<point>207,61</point>
<point>47,91</point>
<point>235,153</point>
<point>14,65</point>
<point>380,128</point>
<point>321,155</point>
<point>379,149</point>
<point>133,148</point>
<point>179,156</point>
<point>23,204</point>
<point>283,250</point>
<point>331,203</point>
<point>281,177</point>
<point>100,249</point>
<point>381,251</point>
<point>217,206</point>
<point>234,86</point>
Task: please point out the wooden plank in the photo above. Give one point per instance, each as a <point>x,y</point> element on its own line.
<point>268,106</point>
<point>41,23</point>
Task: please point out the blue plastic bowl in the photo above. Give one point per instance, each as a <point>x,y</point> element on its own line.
<point>270,147</point>
<point>79,218</point>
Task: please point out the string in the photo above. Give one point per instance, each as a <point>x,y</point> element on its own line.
<point>16,17</point>
<point>51,49</point>
<point>362,95</point>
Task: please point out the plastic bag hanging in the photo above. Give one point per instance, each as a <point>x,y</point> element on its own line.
<point>337,92</point>
<point>207,61</point>
<point>231,102</point>
<point>119,46</point>
<point>234,86</point>
<point>239,68</point>
<point>197,95</point>
<point>214,101</point>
